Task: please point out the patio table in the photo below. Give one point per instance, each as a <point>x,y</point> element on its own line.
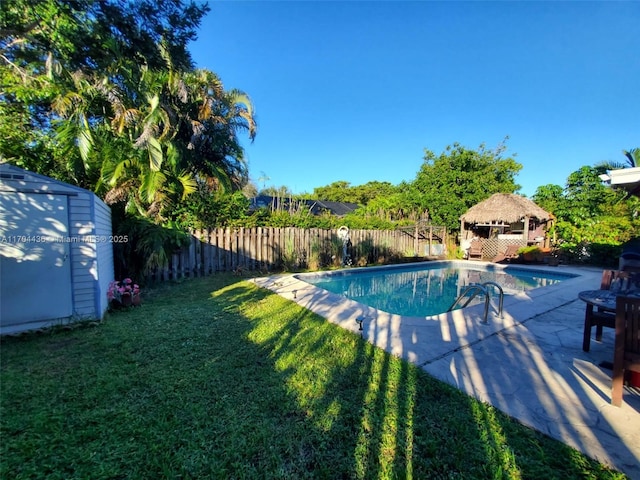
<point>605,301</point>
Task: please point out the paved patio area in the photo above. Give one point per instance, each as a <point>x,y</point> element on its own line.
<point>528,363</point>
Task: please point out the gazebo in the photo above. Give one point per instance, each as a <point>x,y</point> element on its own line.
<point>508,219</point>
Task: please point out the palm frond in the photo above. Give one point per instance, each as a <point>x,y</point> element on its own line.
<point>155,154</point>
<point>188,184</point>
<point>84,139</point>
<point>603,167</point>
<point>113,172</point>
<point>243,108</point>
<point>151,187</point>
<point>633,156</point>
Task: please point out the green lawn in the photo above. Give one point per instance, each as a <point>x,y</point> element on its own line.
<point>215,378</point>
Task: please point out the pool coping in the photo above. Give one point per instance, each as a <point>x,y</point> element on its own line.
<point>447,332</point>
<point>528,363</point>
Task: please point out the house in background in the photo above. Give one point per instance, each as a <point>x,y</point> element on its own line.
<point>316,207</point>
<point>56,252</point>
<point>625,178</point>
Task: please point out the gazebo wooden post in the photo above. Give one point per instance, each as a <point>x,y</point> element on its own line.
<point>549,226</point>
<point>525,233</point>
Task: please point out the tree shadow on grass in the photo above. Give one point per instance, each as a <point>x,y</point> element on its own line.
<point>387,417</point>
<point>219,379</point>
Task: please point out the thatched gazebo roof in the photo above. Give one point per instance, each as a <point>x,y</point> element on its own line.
<point>504,208</point>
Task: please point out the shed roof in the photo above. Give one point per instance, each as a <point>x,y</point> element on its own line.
<point>16,179</point>
<point>504,207</point>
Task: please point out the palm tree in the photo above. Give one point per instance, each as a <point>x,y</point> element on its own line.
<point>633,156</point>
<point>210,130</point>
<point>159,133</point>
<point>632,160</point>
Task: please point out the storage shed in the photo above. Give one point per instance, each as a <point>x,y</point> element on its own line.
<point>56,255</point>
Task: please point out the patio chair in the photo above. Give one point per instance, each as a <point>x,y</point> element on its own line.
<point>626,356</point>
<point>615,279</point>
<point>596,317</point>
<point>509,254</point>
<point>630,257</point>
<point>475,250</point>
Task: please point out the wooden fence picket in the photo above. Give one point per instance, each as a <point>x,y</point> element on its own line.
<point>213,250</point>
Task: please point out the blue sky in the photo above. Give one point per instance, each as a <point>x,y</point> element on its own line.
<point>355,91</point>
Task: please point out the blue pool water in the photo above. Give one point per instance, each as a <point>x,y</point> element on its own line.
<point>422,290</point>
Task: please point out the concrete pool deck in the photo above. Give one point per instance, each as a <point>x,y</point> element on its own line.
<point>528,363</point>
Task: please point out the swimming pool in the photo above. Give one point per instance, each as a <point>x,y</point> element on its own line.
<point>426,289</point>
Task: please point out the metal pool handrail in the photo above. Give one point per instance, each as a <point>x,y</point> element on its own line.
<point>480,288</point>
<point>501,296</point>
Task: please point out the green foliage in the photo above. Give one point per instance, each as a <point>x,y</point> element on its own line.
<point>592,220</point>
<point>108,100</point>
<point>277,192</point>
<point>206,209</point>
<point>149,246</point>
<point>296,215</point>
<point>631,160</point>
<point>454,252</point>
<point>342,191</point>
<point>104,95</point>
<point>86,35</point>
<point>403,205</point>
<point>531,253</point>
<point>531,249</point>
<point>290,256</point>
<point>55,49</point>
<point>449,184</point>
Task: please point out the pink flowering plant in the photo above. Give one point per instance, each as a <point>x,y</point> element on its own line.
<point>123,293</point>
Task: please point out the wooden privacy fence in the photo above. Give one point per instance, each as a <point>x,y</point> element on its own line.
<point>266,248</point>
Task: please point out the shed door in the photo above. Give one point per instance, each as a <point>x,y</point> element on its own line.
<point>35,269</point>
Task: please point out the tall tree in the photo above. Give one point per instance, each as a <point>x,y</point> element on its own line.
<point>152,147</point>
<point>40,41</point>
<point>591,218</point>
<point>551,198</point>
<point>107,97</point>
<point>209,130</point>
<point>339,191</point>
<point>450,183</point>
<point>342,191</point>
<point>85,34</point>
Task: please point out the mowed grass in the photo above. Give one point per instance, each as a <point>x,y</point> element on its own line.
<point>215,378</point>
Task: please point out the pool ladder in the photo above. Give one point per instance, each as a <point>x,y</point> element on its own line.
<point>482,288</point>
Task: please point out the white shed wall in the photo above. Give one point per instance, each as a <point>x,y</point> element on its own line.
<point>84,265</point>
<point>104,252</point>
<point>88,240</point>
